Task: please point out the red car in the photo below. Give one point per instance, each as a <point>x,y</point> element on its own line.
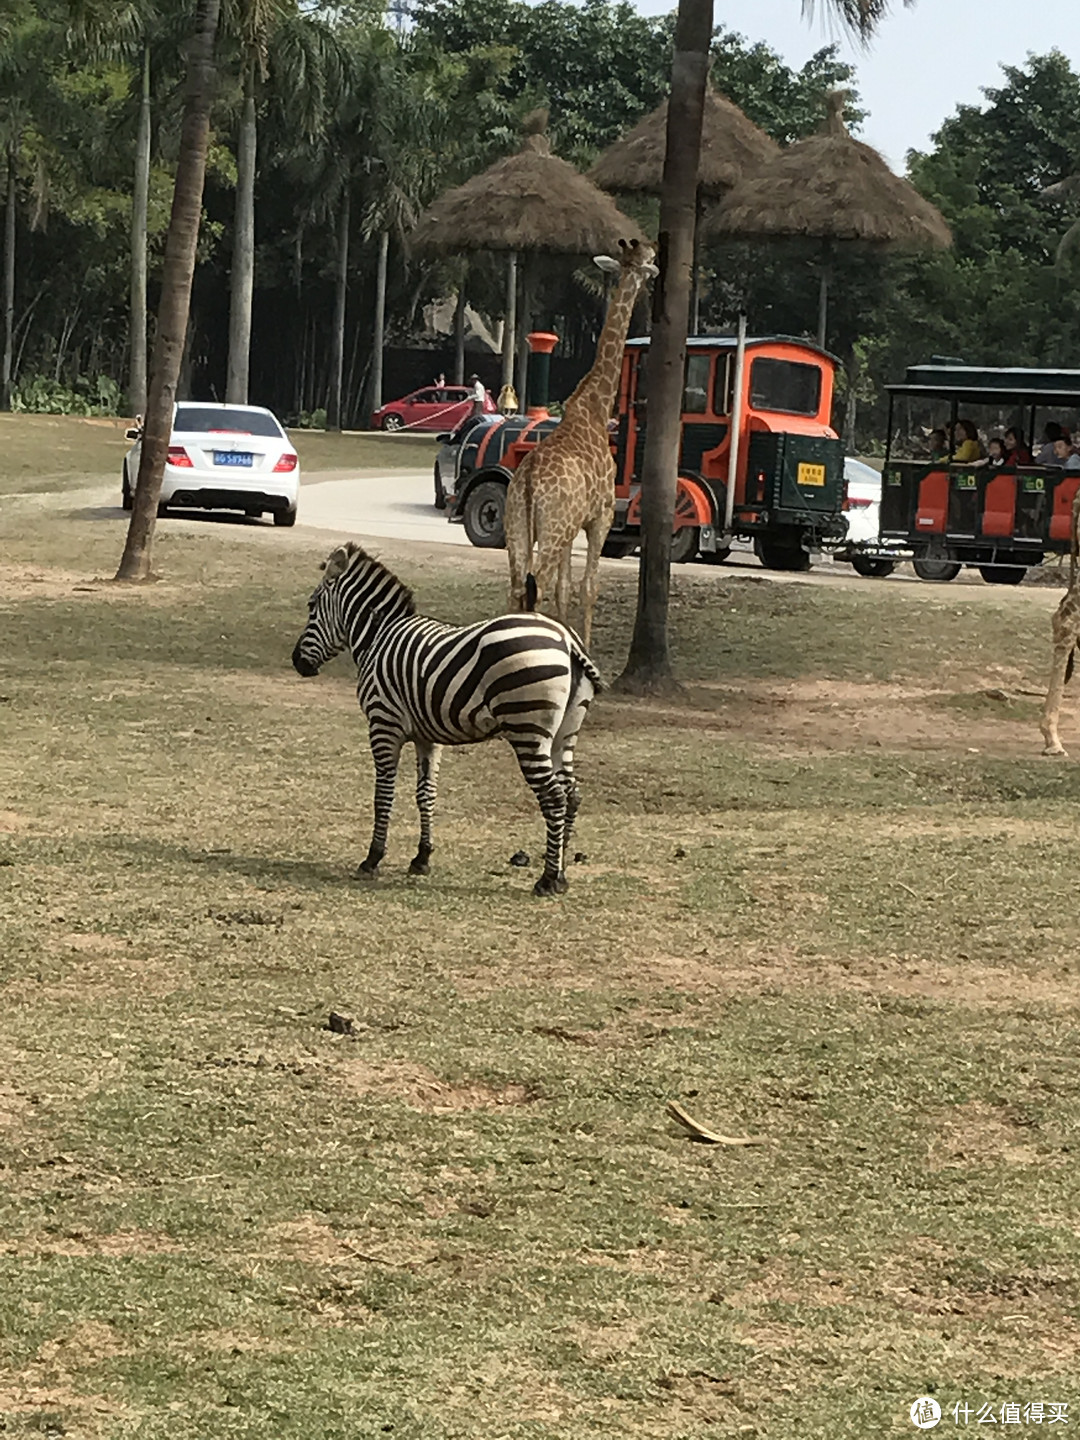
<point>441,407</point>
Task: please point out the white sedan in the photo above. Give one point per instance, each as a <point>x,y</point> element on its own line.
<point>862,545</point>
<point>224,457</point>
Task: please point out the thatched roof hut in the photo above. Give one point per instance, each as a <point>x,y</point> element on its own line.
<point>531,201</point>
<point>731,146</point>
<point>831,186</point>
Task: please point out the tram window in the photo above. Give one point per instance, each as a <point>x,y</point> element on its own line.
<point>696,385</point>
<point>722,385</point>
<point>785,385</point>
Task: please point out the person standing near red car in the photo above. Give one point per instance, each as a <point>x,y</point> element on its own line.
<point>479,395</point>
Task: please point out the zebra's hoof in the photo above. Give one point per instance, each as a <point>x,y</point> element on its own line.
<point>367,872</point>
<point>551,885</point>
<point>419,867</point>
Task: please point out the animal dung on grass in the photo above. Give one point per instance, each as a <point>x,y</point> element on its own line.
<point>520,859</point>
<point>340,1024</point>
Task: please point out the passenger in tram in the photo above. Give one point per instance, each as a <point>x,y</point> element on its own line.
<point>996,453</point>
<point>968,448</point>
<point>1052,433</point>
<point>938,444</point>
<point>1016,452</point>
<point>1064,455</point>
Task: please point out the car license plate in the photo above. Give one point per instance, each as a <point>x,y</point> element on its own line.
<point>811,474</point>
<point>233,457</point>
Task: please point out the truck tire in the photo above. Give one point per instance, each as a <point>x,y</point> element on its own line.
<point>781,554</point>
<point>684,544</point>
<point>872,569</point>
<point>1003,574</point>
<point>127,499</point>
<point>939,571</point>
<point>483,515</point>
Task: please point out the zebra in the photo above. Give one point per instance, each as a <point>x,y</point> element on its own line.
<point>524,677</point>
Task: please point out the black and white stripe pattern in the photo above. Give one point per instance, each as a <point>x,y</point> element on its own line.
<point>524,677</point>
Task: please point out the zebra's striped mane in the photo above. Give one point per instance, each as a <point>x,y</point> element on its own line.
<point>351,556</point>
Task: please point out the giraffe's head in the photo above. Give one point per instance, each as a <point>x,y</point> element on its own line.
<point>633,256</point>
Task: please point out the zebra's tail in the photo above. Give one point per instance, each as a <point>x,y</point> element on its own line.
<point>581,664</point>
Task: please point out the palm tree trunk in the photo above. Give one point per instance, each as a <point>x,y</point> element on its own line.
<point>9,280</point>
<point>242,275</point>
<point>459,335</point>
<point>139,203</point>
<point>823,307</point>
<point>648,667</point>
<point>179,268</point>
<point>380,322</point>
<point>337,351</point>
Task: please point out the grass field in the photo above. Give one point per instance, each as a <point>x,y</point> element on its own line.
<point>829,902</point>
<point>42,453</point>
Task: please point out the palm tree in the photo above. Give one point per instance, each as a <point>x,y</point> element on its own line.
<point>648,666</point>
<point>298,53</point>
<point>180,245</point>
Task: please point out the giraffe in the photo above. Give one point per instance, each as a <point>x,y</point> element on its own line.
<point>1066,625</point>
<point>567,483</point>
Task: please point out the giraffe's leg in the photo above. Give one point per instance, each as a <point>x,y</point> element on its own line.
<point>562,588</point>
<point>535,761</point>
<point>1066,625</point>
<point>596,532</point>
<point>427,779</point>
<point>546,571</point>
<point>515,524</point>
<point>386,750</point>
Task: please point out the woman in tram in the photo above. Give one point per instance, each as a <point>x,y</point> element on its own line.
<point>968,448</point>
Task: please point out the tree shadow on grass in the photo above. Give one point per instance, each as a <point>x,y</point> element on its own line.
<point>204,517</point>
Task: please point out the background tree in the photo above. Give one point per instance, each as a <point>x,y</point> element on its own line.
<point>180,246</point>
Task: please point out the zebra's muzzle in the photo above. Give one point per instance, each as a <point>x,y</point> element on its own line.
<point>301,665</point>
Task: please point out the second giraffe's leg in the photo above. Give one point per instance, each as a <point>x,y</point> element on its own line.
<point>386,751</point>
<point>427,779</point>
<point>546,570</point>
<point>540,776</point>
<point>596,532</point>
<point>515,524</point>
<point>1066,634</point>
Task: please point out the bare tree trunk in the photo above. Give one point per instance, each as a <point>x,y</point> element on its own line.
<point>179,267</point>
<point>459,335</point>
<point>648,667</point>
<point>341,279</point>
<point>9,280</point>
<point>242,272</point>
<point>524,325</point>
<point>139,204</point>
<point>823,307</point>
<point>378,339</point>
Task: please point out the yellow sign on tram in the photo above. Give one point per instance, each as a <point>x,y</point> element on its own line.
<point>811,474</point>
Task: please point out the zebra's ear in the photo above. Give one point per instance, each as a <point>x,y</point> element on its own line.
<point>337,561</point>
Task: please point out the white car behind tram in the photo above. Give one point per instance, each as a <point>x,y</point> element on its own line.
<point>224,457</point>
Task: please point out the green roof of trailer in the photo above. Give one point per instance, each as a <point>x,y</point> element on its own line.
<point>983,385</point>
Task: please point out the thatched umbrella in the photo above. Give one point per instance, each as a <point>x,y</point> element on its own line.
<point>834,188</point>
<point>731,146</point>
<point>529,203</point>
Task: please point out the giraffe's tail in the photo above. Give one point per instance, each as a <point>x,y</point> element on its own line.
<point>530,591</point>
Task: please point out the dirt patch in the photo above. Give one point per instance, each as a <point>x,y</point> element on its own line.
<point>776,1286</point>
<point>807,717</point>
<point>11,822</point>
<point>76,1244</point>
<point>312,1240</point>
<point>421,1089</point>
<point>977,1134</point>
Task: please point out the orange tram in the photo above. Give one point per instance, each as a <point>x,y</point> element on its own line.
<point>1002,520</point>
<point>787,473</point>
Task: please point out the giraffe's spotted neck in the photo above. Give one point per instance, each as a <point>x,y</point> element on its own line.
<point>596,391</point>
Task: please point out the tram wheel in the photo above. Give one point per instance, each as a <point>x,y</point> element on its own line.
<point>1003,574</point>
<point>872,569</point>
<point>937,570</point>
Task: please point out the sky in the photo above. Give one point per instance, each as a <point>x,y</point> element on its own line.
<point>924,61</point>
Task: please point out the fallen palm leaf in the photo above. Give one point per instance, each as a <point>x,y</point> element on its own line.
<point>703,1133</point>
